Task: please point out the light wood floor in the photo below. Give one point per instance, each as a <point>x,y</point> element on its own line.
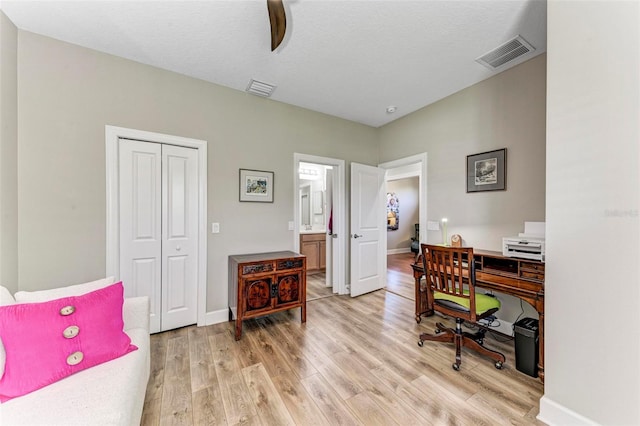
<point>355,361</point>
<point>316,286</point>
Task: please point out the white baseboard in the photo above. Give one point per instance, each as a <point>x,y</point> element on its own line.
<point>216,317</point>
<point>552,413</point>
<point>400,250</point>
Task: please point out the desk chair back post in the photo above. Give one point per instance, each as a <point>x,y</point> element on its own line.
<point>450,277</point>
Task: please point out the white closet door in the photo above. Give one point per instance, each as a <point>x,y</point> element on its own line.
<point>180,236</point>
<point>140,169</point>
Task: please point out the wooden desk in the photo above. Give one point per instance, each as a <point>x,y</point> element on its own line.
<point>517,277</point>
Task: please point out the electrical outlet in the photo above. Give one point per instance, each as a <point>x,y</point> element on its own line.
<point>290,225</point>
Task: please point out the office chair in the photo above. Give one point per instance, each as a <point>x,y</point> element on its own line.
<point>451,277</point>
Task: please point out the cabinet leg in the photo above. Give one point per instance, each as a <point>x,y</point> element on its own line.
<point>238,328</point>
<point>303,312</point>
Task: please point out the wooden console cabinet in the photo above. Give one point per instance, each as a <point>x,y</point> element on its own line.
<point>314,246</point>
<point>264,283</point>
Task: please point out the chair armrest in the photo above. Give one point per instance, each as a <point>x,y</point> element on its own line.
<point>135,313</point>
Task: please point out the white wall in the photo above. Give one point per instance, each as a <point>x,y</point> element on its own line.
<point>8,154</point>
<point>592,348</point>
<point>67,94</point>
<point>407,192</point>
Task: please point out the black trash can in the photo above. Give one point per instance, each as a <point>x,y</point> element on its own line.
<point>526,336</point>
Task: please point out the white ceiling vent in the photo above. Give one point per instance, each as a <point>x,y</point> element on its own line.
<point>507,52</point>
<point>259,88</point>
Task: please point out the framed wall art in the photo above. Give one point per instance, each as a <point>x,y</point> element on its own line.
<point>256,186</point>
<point>487,171</point>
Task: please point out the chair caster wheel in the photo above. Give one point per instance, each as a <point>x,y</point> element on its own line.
<point>420,343</point>
<point>438,331</point>
<point>480,342</point>
<point>498,365</point>
<point>456,367</point>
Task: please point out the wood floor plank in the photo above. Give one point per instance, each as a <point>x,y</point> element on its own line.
<point>368,411</point>
<point>151,412</point>
<point>300,405</point>
<point>270,407</point>
<point>330,404</point>
<point>158,359</point>
<point>176,394</point>
<point>203,370</point>
<point>208,408</point>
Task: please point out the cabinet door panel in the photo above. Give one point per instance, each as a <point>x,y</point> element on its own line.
<point>310,249</point>
<point>258,294</point>
<point>288,290</point>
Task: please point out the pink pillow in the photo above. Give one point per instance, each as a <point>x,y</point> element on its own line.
<point>45,342</point>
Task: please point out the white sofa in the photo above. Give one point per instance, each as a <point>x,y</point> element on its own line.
<point>108,394</point>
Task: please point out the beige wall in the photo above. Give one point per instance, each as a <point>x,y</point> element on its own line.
<point>505,111</point>
<point>407,192</point>
<point>592,283</point>
<point>68,94</point>
<point>8,154</point>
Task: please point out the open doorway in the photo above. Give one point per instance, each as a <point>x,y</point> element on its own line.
<point>406,214</point>
<point>319,222</point>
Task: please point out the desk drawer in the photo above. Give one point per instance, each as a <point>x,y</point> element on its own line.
<point>532,275</point>
<point>532,266</point>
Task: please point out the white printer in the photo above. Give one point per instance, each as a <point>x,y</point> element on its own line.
<point>528,244</point>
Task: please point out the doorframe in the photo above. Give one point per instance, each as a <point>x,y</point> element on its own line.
<point>422,188</point>
<point>112,135</point>
<point>339,212</point>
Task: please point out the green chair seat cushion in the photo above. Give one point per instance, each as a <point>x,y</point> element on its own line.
<point>484,303</point>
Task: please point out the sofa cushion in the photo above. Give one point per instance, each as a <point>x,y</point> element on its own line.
<point>45,342</point>
<point>57,293</point>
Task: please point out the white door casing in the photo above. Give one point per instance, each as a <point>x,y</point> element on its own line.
<point>179,236</point>
<point>330,270</point>
<point>140,223</point>
<point>113,268</point>
<point>368,228</point>
<point>339,246</point>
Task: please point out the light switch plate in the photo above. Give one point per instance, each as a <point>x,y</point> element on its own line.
<point>290,225</point>
<point>215,228</point>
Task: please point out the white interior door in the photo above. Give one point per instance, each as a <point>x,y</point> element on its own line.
<point>158,196</point>
<point>140,183</point>
<point>368,228</point>
<point>180,236</point>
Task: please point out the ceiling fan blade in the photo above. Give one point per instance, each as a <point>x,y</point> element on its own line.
<point>278,21</point>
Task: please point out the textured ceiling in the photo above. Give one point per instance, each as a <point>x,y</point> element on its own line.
<point>350,59</point>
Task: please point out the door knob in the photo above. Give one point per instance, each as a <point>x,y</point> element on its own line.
<point>357,236</point>
<point>178,248</point>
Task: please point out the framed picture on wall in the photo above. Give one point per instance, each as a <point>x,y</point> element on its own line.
<point>487,171</point>
<point>256,186</point>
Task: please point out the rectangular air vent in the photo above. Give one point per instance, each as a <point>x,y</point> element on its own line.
<point>260,88</point>
<point>507,52</point>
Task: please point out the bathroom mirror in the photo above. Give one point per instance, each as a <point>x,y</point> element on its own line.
<point>305,206</point>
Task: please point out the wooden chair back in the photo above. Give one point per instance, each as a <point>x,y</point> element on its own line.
<point>451,270</point>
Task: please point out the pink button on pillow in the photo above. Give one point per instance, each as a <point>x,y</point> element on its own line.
<point>46,342</point>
